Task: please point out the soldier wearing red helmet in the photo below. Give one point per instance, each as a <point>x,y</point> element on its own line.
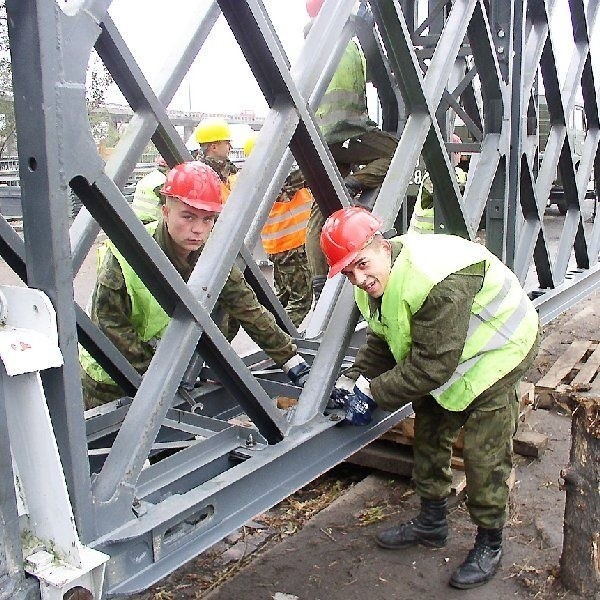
<point>313,7</point>
<point>452,331</point>
<point>127,313</point>
<point>361,151</point>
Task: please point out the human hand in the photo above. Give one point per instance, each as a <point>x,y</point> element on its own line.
<point>360,403</point>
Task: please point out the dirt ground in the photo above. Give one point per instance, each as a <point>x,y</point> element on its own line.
<point>318,544</point>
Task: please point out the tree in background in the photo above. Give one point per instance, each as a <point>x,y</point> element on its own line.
<point>97,84</point>
<point>7,114</point>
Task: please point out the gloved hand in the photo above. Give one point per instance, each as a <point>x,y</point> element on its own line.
<point>343,387</point>
<point>360,403</point>
<point>297,370</point>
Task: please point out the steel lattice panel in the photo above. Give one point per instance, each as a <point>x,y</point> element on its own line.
<point>455,61</point>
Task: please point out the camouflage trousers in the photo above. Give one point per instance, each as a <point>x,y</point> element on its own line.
<point>489,424</point>
<point>293,282</point>
<point>96,393</point>
<point>374,150</point>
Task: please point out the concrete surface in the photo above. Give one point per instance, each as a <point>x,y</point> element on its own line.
<point>335,558</point>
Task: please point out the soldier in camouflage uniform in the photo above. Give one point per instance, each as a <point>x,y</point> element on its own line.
<point>146,197</point>
<point>293,280</point>
<point>193,201</point>
<point>283,238</point>
<point>214,137</point>
<point>361,151</point>
<point>452,331</point>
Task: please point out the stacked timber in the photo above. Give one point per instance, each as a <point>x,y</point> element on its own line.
<point>392,452</point>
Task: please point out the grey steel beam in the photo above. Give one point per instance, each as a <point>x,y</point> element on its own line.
<point>44,198</point>
<point>552,303</point>
<point>119,61</point>
<point>497,35</point>
<point>421,97</point>
<point>534,46</point>
<point>483,173</point>
<point>142,126</point>
<point>185,503</point>
<point>13,583</point>
<point>216,264</point>
<point>203,515</point>
<point>532,240</point>
<point>517,48</point>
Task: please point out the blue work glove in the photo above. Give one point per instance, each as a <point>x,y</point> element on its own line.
<point>297,370</point>
<point>360,403</point>
<point>339,395</point>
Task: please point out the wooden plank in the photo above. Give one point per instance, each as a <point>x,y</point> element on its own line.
<point>588,370</point>
<point>526,394</point>
<point>530,443</point>
<point>563,366</point>
<point>393,458</point>
<point>459,483</point>
<point>385,457</point>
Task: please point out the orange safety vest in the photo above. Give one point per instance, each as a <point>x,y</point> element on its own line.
<point>227,186</point>
<point>285,228</point>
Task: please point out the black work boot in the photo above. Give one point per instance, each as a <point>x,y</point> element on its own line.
<point>482,562</point>
<point>429,528</point>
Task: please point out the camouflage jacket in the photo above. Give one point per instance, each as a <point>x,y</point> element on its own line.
<point>222,166</point>
<point>293,183</point>
<point>111,308</point>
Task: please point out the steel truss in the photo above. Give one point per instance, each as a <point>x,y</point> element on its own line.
<point>454,60</point>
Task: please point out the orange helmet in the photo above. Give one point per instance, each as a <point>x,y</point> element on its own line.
<point>345,233</point>
<point>196,184</point>
<point>313,7</point>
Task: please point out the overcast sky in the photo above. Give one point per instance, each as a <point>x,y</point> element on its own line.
<point>220,79</point>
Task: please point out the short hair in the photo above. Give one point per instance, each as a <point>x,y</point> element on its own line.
<point>376,239</point>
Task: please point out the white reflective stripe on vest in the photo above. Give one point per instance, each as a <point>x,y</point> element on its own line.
<point>496,342</point>
<point>282,232</point>
<point>287,215</point>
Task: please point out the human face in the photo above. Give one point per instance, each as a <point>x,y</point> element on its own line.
<point>370,270</point>
<point>220,149</point>
<point>188,227</point>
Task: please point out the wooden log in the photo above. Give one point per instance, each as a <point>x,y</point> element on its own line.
<point>580,559</point>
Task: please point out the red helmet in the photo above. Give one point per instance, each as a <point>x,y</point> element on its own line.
<point>313,7</point>
<point>345,233</point>
<point>196,184</point>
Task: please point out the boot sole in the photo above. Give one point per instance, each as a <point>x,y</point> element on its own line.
<point>427,543</point>
<point>467,586</point>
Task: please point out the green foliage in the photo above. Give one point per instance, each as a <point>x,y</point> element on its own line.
<point>7,113</point>
<point>98,82</point>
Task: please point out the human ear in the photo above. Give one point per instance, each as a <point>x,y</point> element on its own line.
<point>387,247</point>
